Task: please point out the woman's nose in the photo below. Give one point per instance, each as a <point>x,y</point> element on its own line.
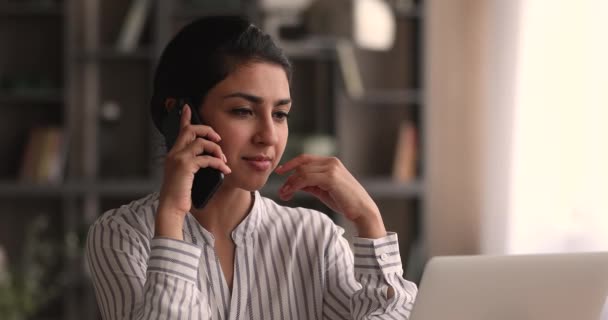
<point>266,132</point>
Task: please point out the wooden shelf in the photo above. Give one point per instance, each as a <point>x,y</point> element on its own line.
<point>23,189</point>
<point>109,53</point>
<point>47,97</point>
<point>129,187</point>
<point>317,48</point>
<point>190,12</point>
<point>390,97</point>
<point>386,187</point>
<point>416,12</point>
<point>271,190</point>
<point>8,9</point>
<point>377,187</point>
<point>124,187</point>
<point>382,187</point>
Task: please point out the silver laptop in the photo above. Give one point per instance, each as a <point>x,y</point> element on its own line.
<point>517,287</point>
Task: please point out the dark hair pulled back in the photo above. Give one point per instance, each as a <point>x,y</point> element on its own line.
<point>205,52</point>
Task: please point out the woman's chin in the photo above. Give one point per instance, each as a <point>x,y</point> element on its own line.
<point>250,183</point>
<point>255,186</point>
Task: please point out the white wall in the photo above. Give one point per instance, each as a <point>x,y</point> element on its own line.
<point>516,111</point>
<point>498,47</point>
<point>559,197</point>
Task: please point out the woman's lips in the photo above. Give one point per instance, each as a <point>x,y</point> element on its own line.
<point>259,163</point>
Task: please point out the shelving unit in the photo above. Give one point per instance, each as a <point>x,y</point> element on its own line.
<point>114,162</point>
<point>32,93</point>
<point>393,94</point>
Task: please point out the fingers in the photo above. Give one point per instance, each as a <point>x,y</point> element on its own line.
<point>206,153</point>
<point>302,182</point>
<point>305,167</point>
<point>296,162</point>
<point>186,116</point>
<point>189,132</point>
<point>304,160</point>
<point>202,146</point>
<point>314,174</point>
<point>303,171</point>
<point>313,183</point>
<point>212,162</point>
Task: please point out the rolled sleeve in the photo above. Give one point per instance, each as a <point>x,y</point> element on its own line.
<point>174,257</point>
<point>377,255</point>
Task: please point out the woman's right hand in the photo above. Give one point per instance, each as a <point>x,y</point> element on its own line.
<point>183,160</point>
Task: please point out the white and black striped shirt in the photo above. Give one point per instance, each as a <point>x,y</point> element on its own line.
<point>290,263</point>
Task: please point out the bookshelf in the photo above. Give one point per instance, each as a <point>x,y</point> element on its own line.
<point>112,160</point>
<point>393,95</point>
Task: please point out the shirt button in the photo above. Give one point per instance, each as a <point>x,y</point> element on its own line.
<point>384,257</point>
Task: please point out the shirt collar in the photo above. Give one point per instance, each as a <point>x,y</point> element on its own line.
<point>241,235</point>
<point>248,228</point>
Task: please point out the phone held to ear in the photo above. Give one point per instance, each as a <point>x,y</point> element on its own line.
<point>206,180</point>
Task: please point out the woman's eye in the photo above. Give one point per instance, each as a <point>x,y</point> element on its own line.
<point>281,115</point>
<point>242,112</point>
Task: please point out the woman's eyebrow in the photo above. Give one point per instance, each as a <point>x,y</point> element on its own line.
<point>255,99</point>
<point>282,102</point>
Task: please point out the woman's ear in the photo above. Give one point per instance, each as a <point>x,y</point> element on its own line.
<point>170,104</point>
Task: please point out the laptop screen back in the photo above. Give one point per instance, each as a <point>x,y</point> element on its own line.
<point>522,287</point>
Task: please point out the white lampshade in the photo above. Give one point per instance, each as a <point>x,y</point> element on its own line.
<point>282,5</point>
<point>374,24</point>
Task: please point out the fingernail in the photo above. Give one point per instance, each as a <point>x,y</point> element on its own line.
<point>224,157</point>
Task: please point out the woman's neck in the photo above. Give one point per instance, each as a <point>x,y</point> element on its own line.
<point>224,211</point>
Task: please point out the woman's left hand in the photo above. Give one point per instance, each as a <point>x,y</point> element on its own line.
<point>327,179</point>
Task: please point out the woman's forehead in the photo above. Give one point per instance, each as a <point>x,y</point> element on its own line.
<point>256,76</point>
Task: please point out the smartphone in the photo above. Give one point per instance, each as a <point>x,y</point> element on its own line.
<point>206,180</point>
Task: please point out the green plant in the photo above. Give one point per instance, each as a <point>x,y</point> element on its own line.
<point>32,283</point>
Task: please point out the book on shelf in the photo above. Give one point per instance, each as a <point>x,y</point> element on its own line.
<point>349,69</point>
<point>44,156</point>
<point>406,153</point>
<point>133,25</point>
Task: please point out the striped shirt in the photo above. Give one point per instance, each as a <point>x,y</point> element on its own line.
<point>289,263</point>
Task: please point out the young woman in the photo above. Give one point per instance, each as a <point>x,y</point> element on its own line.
<point>241,256</point>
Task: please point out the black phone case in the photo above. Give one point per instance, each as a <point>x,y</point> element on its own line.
<point>206,180</point>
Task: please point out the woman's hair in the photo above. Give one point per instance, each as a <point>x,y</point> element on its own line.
<point>204,53</point>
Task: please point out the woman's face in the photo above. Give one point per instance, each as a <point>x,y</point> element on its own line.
<point>249,111</point>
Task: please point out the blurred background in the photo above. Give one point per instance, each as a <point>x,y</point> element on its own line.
<point>476,125</point>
